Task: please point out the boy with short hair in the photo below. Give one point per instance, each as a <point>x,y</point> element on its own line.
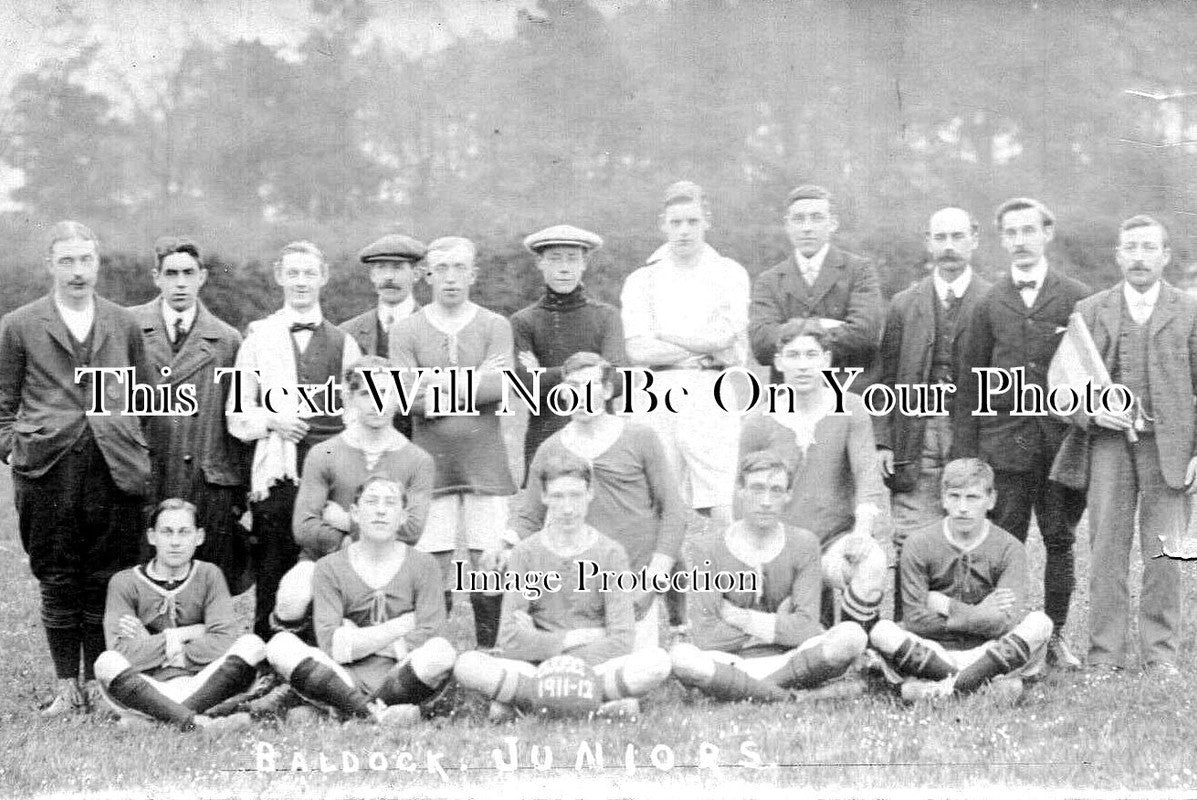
<point>964,584</point>
<point>586,622</point>
<point>377,611</point>
<point>763,644</point>
<point>173,650</point>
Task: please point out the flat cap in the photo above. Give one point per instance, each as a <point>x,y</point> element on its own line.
<point>807,191</point>
<point>566,235</point>
<point>392,247</point>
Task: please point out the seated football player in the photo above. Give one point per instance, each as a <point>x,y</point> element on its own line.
<point>636,498</point>
<point>964,583</point>
<point>173,650</point>
<point>377,611</point>
<point>763,640</point>
<point>837,493</point>
<point>580,620</point>
<point>333,471</point>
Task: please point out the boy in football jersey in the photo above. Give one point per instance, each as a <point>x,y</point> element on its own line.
<point>579,620</point>
<point>377,611</point>
<point>173,650</point>
<point>764,642</point>
<point>964,585</point>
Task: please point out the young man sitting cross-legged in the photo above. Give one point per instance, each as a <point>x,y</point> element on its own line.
<point>579,620</point>
<point>761,644</point>
<point>171,632</point>
<point>377,611</point>
<point>964,583</point>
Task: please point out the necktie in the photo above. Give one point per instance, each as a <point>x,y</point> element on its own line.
<point>388,321</point>
<point>949,299</point>
<point>296,327</point>
<point>1020,285</point>
<point>810,274</point>
<point>180,331</point>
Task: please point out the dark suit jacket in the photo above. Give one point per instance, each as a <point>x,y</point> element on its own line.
<point>179,445</point>
<point>1171,370</point>
<point>906,350</point>
<point>1005,333</point>
<point>846,289</point>
<point>42,408</point>
<point>364,329</point>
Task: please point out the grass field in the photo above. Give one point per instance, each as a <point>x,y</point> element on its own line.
<point>1068,735</point>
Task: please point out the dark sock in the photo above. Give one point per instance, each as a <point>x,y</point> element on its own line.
<point>1001,657</point>
<point>918,660</point>
<point>730,683</point>
<point>231,677</point>
<point>807,669</point>
<point>133,691</point>
<point>93,646</point>
<point>404,686</point>
<point>64,650</point>
<point>486,618</point>
<point>320,683</point>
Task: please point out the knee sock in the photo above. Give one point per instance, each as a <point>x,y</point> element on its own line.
<point>486,618</point>
<point>637,675</point>
<point>64,651</point>
<point>316,681</point>
<point>1001,657</point>
<point>93,645</point>
<point>448,602</point>
<point>807,669</point>
<point>863,612</point>
<point>731,683</point>
<point>402,685</point>
<point>132,690</point>
<point>231,677</point>
<point>488,675</point>
<point>915,659</point>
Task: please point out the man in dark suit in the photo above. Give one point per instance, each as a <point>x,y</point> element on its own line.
<point>194,457</point>
<point>1146,333</point>
<point>1018,324</point>
<point>391,260</point>
<point>818,281</point>
<point>922,331</point>
<point>79,480</point>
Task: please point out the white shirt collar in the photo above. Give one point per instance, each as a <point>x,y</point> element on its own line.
<point>169,315</point>
<point>947,532</point>
<point>78,322</point>
<point>1146,299</point>
<point>291,316</point>
<point>815,262</point>
<point>958,286</point>
<point>401,311</point>
<point>1036,273</point>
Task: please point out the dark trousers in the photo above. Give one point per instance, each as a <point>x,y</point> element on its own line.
<point>1057,509</point>
<point>78,529</point>
<point>274,550</point>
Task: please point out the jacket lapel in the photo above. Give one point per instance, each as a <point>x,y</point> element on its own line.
<point>55,326</point>
<point>1048,294</point>
<point>197,347</point>
<point>1109,324</point>
<point>153,331</point>
<point>1165,309</point>
<point>829,274</point>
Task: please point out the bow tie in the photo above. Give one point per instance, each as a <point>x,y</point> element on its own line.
<point>1020,285</point>
<point>310,327</point>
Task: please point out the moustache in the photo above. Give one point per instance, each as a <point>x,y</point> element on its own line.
<point>952,257</point>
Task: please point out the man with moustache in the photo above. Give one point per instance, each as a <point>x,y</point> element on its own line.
<point>79,479</point>
<point>1146,332</point>
<point>924,324</point>
<point>194,457</point>
<point>392,260</point>
<point>1018,323</point>
<point>564,321</point>
<point>820,281</point>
